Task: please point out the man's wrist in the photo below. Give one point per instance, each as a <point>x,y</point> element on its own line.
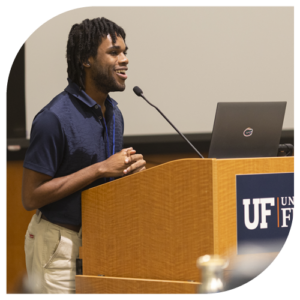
<point>100,170</point>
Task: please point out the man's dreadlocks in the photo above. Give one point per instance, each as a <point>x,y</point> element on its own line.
<point>84,40</point>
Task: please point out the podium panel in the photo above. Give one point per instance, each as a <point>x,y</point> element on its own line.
<point>155,224</point>
<point>226,170</point>
<point>150,225</point>
<point>117,285</point>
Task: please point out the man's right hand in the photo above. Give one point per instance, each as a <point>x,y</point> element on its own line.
<point>124,162</point>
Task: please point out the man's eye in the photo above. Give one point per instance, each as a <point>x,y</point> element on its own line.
<point>115,53</point>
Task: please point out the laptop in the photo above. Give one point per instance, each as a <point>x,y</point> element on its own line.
<point>247,129</point>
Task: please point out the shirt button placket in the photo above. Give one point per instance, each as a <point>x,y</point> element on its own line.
<point>96,107</point>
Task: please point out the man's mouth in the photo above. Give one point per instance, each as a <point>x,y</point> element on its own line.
<point>122,74</point>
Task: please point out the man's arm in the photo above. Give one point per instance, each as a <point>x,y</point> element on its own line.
<point>39,189</point>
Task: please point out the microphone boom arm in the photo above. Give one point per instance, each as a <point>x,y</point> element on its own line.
<point>172,126</point>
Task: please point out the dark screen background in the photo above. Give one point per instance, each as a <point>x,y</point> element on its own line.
<point>15,125</point>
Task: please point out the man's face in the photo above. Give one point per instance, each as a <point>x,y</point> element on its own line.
<point>108,69</point>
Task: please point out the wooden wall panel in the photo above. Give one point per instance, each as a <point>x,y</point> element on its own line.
<point>17,222</point>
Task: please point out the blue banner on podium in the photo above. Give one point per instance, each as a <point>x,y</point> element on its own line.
<point>265,204</point>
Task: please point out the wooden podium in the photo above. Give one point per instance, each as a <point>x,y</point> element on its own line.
<point>143,233</point>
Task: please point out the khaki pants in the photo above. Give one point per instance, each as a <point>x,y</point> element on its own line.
<point>51,253</point>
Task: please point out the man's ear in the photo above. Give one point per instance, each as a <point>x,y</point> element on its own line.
<point>87,64</point>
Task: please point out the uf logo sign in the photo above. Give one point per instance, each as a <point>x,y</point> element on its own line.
<point>264,211</point>
<point>286,213</point>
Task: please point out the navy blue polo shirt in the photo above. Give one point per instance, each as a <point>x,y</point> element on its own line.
<point>68,135</point>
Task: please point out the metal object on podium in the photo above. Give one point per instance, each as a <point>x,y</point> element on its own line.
<point>212,273</point>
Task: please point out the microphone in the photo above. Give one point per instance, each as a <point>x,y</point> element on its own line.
<point>139,93</point>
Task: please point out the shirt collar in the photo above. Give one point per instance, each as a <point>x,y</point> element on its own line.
<point>81,95</point>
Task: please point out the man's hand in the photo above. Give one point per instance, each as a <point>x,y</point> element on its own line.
<point>39,189</point>
<point>137,162</point>
<point>122,163</point>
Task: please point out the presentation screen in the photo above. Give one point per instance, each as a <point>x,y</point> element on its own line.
<point>185,59</point>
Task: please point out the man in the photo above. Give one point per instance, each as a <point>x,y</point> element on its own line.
<point>75,144</point>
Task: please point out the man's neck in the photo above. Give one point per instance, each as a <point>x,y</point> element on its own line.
<point>97,95</point>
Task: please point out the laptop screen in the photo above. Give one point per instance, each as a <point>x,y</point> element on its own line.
<point>247,129</point>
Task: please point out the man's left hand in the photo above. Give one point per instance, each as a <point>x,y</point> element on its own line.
<point>137,163</point>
